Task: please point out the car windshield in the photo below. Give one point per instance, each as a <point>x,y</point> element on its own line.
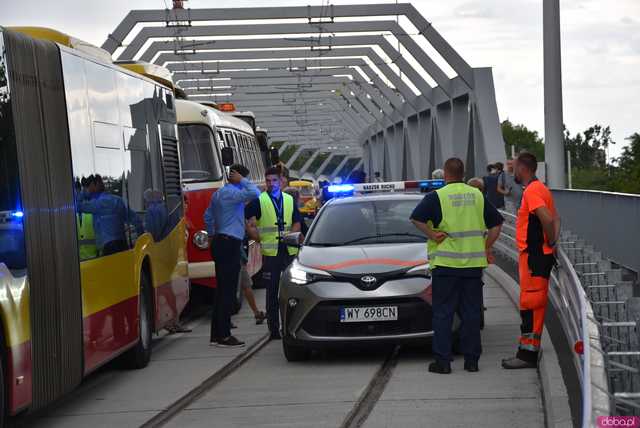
<point>197,154</point>
<point>365,223</point>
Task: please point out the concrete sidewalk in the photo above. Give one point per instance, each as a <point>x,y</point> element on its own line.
<point>493,397</point>
<point>128,398</point>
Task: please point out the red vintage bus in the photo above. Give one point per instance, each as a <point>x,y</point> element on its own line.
<point>203,132</point>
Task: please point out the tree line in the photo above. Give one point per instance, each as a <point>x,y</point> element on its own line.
<point>591,166</point>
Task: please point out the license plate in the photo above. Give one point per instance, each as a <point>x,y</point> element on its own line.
<point>371,313</point>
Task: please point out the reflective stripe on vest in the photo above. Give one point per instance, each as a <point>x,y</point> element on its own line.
<point>463,222</point>
<point>452,255</point>
<point>467,234</point>
<point>267,224</point>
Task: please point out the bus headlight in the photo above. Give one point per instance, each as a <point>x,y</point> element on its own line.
<point>201,239</point>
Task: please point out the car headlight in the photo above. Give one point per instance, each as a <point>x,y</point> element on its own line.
<point>201,239</point>
<point>303,275</point>
<point>420,270</point>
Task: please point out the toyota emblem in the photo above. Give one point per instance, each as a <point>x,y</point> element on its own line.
<point>368,281</point>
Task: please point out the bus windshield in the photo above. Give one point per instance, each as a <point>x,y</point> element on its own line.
<point>306,191</point>
<point>198,154</point>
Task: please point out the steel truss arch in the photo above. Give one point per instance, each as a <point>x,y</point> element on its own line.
<point>338,92</point>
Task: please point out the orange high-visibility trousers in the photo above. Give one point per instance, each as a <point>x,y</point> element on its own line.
<point>534,271</point>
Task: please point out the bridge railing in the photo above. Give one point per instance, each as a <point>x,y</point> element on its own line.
<point>580,326</point>
<point>606,220</point>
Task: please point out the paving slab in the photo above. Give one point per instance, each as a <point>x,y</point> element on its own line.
<point>450,413</point>
<point>270,392</point>
<point>316,415</point>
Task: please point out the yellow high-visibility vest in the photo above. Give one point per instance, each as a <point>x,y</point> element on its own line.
<point>463,222</point>
<point>268,224</point>
<point>86,236</point>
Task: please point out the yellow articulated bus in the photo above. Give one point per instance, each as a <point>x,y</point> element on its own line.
<point>92,235</point>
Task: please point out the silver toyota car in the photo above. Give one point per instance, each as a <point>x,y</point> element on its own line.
<point>361,276</point>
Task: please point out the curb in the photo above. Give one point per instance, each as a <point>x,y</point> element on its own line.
<point>555,398</point>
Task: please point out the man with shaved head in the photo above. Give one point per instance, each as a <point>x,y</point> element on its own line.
<point>456,218</point>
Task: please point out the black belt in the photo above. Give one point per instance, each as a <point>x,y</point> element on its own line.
<point>225,237</point>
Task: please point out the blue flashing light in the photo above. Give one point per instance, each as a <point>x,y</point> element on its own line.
<point>17,214</point>
<point>432,184</point>
<point>341,188</point>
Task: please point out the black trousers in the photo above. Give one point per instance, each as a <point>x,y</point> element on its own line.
<point>272,268</point>
<point>462,295</point>
<point>225,251</point>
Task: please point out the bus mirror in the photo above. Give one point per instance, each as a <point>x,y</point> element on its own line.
<point>227,156</point>
<point>274,155</point>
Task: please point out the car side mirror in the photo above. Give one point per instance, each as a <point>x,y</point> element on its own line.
<point>293,239</point>
<point>227,156</point>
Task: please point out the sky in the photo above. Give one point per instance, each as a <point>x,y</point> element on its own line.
<point>600,48</point>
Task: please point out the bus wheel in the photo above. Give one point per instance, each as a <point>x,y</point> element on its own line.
<point>138,357</point>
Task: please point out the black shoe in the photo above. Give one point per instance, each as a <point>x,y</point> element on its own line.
<point>436,367</point>
<point>516,363</point>
<point>471,366</point>
<point>229,342</point>
<point>275,336</point>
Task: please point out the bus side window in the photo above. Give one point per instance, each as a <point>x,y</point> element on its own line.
<point>259,164</point>
<point>238,148</point>
<point>171,175</point>
<point>80,136</point>
<point>113,220</point>
<point>238,153</point>
<point>229,141</point>
<point>258,158</point>
<point>243,149</point>
<point>254,159</point>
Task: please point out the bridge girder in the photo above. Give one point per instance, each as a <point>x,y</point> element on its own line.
<point>334,88</point>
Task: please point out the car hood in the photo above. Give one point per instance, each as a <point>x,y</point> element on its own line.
<point>364,258</point>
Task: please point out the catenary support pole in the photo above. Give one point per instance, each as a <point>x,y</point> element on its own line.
<point>553,121</point>
<point>569,178</point>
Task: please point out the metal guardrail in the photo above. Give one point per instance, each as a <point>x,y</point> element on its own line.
<point>579,324</point>
<point>624,208</point>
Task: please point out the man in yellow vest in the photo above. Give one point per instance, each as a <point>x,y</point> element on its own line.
<point>462,226</point>
<point>86,236</point>
<point>87,246</point>
<point>270,217</point>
